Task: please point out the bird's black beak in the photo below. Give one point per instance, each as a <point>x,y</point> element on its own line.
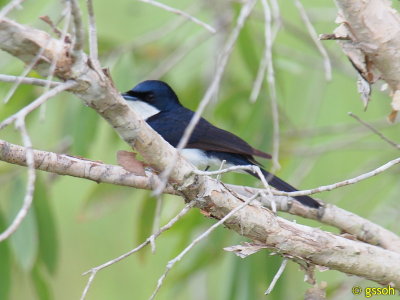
<point>129,97</point>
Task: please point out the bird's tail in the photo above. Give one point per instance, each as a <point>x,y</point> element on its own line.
<point>281,185</point>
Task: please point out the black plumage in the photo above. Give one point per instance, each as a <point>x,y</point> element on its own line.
<point>172,119</point>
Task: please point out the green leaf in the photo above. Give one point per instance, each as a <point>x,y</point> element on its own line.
<point>84,135</point>
<point>207,253</point>
<point>24,242</point>
<point>103,198</point>
<point>145,219</point>
<point>42,288</point>
<point>247,47</point>
<point>48,242</point>
<point>5,264</point>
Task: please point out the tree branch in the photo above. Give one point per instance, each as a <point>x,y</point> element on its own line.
<point>99,172</point>
<point>253,221</point>
<point>374,29</point>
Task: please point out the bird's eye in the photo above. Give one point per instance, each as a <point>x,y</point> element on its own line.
<point>150,97</point>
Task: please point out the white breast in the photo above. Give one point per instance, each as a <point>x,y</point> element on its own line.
<point>199,159</point>
<point>196,157</point>
<point>144,109</point>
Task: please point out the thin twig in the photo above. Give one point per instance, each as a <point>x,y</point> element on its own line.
<point>276,14</point>
<point>330,187</point>
<point>79,33</point>
<point>32,64</point>
<point>332,36</point>
<point>277,276</point>
<point>253,168</point>
<point>167,226</point>
<point>94,56</point>
<point>52,25</point>
<point>29,80</point>
<point>376,131</point>
<point>156,221</point>
<point>54,60</point>
<point>220,168</point>
<point>267,57</point>
<point>266,64</point>
<point>272,87</point>
<point>314,35</point>
<point>30,187</point>
<point>39,101</point>
<point>244,13</point>
<point>181,13</point>
<point>178,55</point>
<point>146,38</point>
<point>9,7</point>
<point>27,69</point>
<point>172,262</point>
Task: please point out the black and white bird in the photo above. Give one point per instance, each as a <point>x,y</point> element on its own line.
<point>208,146</point>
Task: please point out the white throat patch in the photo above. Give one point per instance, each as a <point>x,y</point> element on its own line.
<point>144,109</point>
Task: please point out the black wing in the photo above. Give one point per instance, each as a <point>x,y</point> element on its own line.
<point>205,136</point>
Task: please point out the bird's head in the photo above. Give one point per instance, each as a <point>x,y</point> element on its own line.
<point>155,93</point>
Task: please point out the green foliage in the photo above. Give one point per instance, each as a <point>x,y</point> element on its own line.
<point>144,220</point>
<point>40,284</point>
<point>24,242</point>
<point>47,231</point>
<point>5,264</point>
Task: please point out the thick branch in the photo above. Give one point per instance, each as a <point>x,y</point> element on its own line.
<point>95,89</point>
<point>310,244</point>
<point>347,222</point>
<point>63,164</point>
<point>373,27</point>
<point>376,27</point>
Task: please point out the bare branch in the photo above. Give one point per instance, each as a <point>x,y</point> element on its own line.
<point>376,131</point>
<point>374,28</point>
<point>272,87</point>
<point>365,230</point>
<point>29,80</point>
<point>244,13</point>
<point>9,7</point>
<point>314,35</point>
<point>156,221</point>
<point>277,276</point>
<point>39,101</point>
<point>332,36</point>
<point>94,56</point>
<point>30,188</point>
<point>167,226</point>
<point>266,64</point>
<point>172,262</point>
<point>336,185</point>
<point>55,58</point>
<point>19,80</point>
<point>177,56</point>
<point>345,221</point>
<point>63,164</point>
<point>180,13</point>
<point>78,26</point>
<point>257,223</point>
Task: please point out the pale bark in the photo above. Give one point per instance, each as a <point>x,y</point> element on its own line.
<point>374,29</point>
<point>255,222</point>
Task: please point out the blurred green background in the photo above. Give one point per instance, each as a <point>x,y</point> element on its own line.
<point>76,224</point>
